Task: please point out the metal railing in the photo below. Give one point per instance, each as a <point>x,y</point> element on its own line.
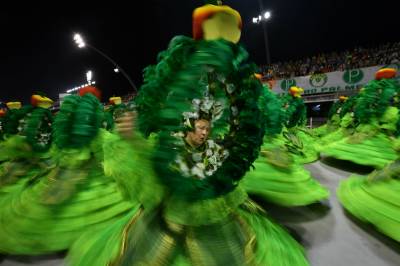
<point>328,97</point>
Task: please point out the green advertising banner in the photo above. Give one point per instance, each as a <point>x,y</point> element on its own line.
<point>331,82</point>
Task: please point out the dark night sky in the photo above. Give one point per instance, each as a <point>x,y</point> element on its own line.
<point>38,53</point>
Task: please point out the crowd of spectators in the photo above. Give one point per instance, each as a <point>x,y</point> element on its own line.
<point>128,97</point>
<point>359,57</point>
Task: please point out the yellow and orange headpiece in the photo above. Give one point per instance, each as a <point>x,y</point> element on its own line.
<point>3,112</point>
<point>90,89</point>
<point>115,100</point>
<point>213,22</point>
<point>296,91</point>
<point>258,76</point>
<point>41,101</point>
<point>14,105</point>
<point>385,73</point>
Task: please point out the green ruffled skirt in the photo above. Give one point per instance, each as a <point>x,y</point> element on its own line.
<point>241,236</point>
<point>310,154</point>
<point>30,224</point>
<point>278,178</point>
<point>376,151</point>
<point>300,143</point>
<point>373,201</point>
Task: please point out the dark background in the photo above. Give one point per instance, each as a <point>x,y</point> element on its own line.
<point>38,53</point>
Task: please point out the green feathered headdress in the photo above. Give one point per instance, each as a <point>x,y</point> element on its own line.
<point>271,106</point>
<point>190,70</point>
<point>14,119</point>
<point>337,105</point>
<point>374,99</point>
<point>295,111</point>
<point>78,121</point>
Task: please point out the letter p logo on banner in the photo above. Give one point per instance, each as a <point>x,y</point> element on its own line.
<point>287,83</point>
<point>353,76</point>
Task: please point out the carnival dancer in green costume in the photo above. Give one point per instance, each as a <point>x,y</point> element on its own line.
<point>333,122</point>
<point>49,213</point>
<point>345,120</point>
<point>201,100</point>
<point>114,110</point>
<point>375,199</point>
<point>9,123</point>
<point>374,141</point>
<point>24,151</point>
<point>277,177</point>
<point>297,137</point>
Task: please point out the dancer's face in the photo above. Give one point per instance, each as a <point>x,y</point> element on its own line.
<point>200,134</point>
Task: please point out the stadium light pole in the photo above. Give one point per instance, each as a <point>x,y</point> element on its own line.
<point>82,44</point>
<point>266,16</point>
